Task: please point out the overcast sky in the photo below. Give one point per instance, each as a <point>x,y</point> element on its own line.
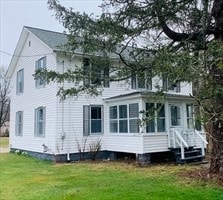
<point>14,14</point>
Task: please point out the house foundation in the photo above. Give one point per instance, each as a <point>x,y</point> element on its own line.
<point>143,159</point>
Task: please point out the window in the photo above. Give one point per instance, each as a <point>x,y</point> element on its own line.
<point>124,118</point>
<point>113,114</point>
<point>134,118</point>
<point>95,75</point>
<point>175,116</point>
<point>161,118</point>
<point>40,64</point>
<point>190,116</point>
<point>19,123</point>
<point>155,115</point>
<point>40,119</point>
<point>92,120</point>
<point>20,82</point>
<point>141,81</point>
<point>168,86</point>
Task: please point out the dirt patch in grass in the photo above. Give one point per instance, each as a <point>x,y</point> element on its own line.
<point>202,174</point>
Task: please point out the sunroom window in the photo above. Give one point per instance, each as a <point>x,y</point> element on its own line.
<point>190,116</point>
<point>155,116</point>
<point>124,118</point>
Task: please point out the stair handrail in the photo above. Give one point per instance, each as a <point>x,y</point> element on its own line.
<point>181,139</point>
<point>182,143</point>
<point>203,142</point>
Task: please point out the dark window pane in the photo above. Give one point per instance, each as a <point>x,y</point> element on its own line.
<point>96,126</point>
<point>150,128</point>
<point>150,110</point>
<point>122,111</point>
<point>113,112</point>
<point>134,126</point>
<point>123,126</point>
<point>161,110</point>
<point>161,125</point>
<point>95,112</point>
<point>134,110</point>
<point>114,126</point>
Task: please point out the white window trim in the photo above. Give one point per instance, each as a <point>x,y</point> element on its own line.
<point>135,83</point>
<point>20,73</point>
<point>37,81</point>
<point>17,123</point>
<point>36,122</point>
<point>87,120</point>
<point>156,118</point>
<point>120,119</point>
<point>87,79</point>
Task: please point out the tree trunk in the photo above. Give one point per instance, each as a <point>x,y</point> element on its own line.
<point>216,165</point>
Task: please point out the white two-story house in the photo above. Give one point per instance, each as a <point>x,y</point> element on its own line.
<point>46,127</point>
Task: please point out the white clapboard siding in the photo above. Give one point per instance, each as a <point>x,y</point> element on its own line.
<point>155,143</point>
<point>33,98</point>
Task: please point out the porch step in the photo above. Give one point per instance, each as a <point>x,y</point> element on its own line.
<point>193,158</point>
<point>191,155</point>
<point>189,152</point>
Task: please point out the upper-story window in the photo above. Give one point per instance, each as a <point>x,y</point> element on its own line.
<point>20,82</point>
<point>171,86</point>
<point>40,64</point>
<point>92,120</point>
<point>141,81</point>
<point>19,123</point>
<point>94,75</point>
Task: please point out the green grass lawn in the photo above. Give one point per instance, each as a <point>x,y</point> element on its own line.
<point>28,178</point>
<point>4,142</point>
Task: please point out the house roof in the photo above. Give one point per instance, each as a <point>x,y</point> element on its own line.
<point>53,39</point>
<point>146,94</point>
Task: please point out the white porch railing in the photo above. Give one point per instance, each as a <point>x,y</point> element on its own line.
<point>178,141</point>
<point>203,141</point>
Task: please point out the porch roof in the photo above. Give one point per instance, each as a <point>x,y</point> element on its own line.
<point>141,94</point>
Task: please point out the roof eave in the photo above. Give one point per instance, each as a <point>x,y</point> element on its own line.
<point>20,44</point>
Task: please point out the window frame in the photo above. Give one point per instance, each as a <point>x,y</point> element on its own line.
<point>20,82</point>
<point>136,79</point>
<point>87,120</point>
<point>171,87</point>
<point>119,119</point>
<point>154,120</point>
<point>100,77</point>
<point>37,122</point>
<point>190,117</point>
<point>40,64</point>
<point>18,124</point>
<point>178,116</point>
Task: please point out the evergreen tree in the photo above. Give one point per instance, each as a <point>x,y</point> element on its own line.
<point>180,39</point>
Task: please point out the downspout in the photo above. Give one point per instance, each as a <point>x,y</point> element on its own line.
<point>68,134</point>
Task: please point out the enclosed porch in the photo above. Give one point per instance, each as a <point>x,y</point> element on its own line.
<point>142,124</point>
